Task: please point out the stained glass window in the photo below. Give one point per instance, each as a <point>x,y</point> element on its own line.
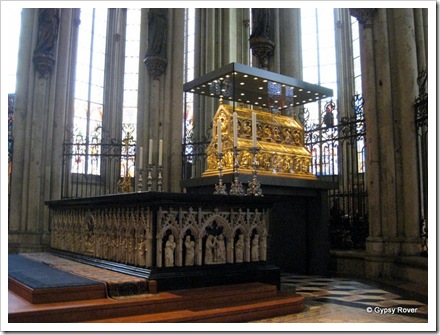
<point>89,91</point>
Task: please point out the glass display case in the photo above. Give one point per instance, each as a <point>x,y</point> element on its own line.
<point>253,117</point>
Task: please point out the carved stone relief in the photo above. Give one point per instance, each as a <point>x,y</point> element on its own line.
<point>213,237</point>
<point>185,237</point>
<point>117,234</point>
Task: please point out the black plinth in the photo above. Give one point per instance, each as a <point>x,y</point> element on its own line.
<point>298,240</point>
<point>213,275</point>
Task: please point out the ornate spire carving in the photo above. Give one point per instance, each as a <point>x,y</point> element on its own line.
<point>45,50</point>
<point>155,58</point>
<point>260,42</point>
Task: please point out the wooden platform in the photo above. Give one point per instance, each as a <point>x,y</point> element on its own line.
<point>228,303</point>
<point>56,294</point>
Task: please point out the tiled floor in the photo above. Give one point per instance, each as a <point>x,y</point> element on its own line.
<point>345,300</point>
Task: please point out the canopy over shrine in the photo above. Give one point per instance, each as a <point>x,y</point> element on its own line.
<point>249,85</point>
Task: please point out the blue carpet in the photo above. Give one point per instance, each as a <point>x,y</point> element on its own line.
<point>38,275</point>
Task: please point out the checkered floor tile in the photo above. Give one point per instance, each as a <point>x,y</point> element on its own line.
<point>354,293</point>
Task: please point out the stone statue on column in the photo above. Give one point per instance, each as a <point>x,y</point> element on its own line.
<point>260,42</point>
<point>44,52</point>
<point>155,58</point>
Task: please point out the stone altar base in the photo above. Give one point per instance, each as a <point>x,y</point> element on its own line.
<point>176,240</point>
<point>165,279</point>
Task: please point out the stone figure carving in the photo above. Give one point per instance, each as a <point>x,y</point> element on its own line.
<point>130,250</point>
<point>155,58</point>
<point>189,245</point>
<point>260,22</point>
<point>106,247</point>
<point>239,249</point>
<point>260,43</point>
<point>170,245</point>
<point>141,253</point>
<point>209,249</point>
<point>255,249</point>
<point>44,52</point>
<point>220,250</point>
<point>48,23</point>
<point>157,32</point>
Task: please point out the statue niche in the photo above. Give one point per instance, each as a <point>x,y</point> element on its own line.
<point>189,250</point>
<point>215,245</point>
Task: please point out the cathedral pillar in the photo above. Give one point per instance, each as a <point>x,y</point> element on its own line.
<point>160,93</point>
<point>219,37</point>
<point>422,45</point>
<point>348,160</point>
<point>386,135</point>
<point>389,79</point>
<point>114,90</point>
<point>44,78</point>
<point>287,58</point>
<point>404,121</point>
<point>365,18</point>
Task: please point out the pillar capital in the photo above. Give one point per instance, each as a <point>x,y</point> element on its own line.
<point>363,14</point>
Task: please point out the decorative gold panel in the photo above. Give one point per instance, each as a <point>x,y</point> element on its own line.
<point>280,140</point>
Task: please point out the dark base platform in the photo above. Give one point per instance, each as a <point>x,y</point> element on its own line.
<point>214,275</point>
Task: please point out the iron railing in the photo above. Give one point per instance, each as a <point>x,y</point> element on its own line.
<point>97,164</point>
<point>338,155</point>
<point>421,121</point>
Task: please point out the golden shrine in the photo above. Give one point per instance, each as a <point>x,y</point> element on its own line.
<point>280,140</point>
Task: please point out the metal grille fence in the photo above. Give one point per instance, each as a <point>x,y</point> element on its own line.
<point>338,155</point>
<point>421,121</point>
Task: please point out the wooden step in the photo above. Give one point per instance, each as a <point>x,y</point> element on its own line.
<point>250,311</point>
<point>198,304</point>
<point>57,294</point>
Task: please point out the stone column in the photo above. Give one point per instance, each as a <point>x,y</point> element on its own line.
<point>114,88</point>
<point>365,18</point>
<point>159,250</point>
<point>247,248</point>
<point>421,44</point>
<point>287,52</point>
<point>386,134</point>
<point>219,34</point>
<point>172,117</point>
<point>42,101</point>
<point>230,249</point>
<point>406,155</point>
<point>179,252</point>
<point>160,113</point>
<point>149,240</point>
<point>347,161</point>
<point>199,251</point>
<point>389,76</point>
